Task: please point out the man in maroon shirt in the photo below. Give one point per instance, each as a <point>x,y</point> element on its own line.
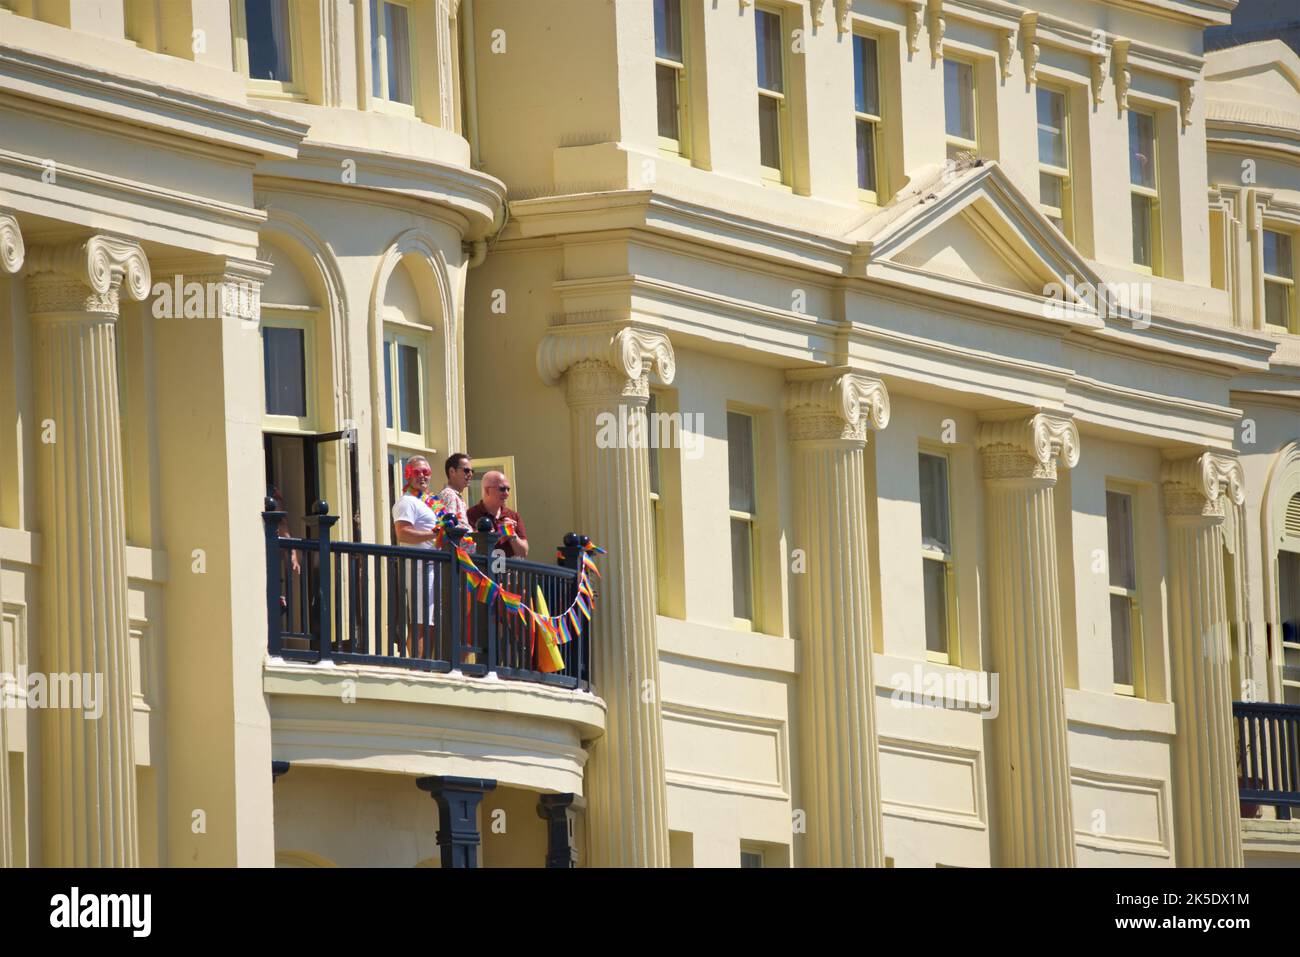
<point>505,521</point>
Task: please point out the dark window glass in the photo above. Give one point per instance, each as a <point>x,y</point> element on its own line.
<point>1051,128</point>
<point>866,155</point>
<point>935,574</point>
<point>1142,223</point>
<point>740,461</point>
<point>408,377</point>
<point>668,30</point>
<point>934,501</point>
<point>398,38</point>
<point>284,364</point>
<point>767,34</point>
<point>959,99</point>
<point>1141,149</point>
<point>268,40</point>
<point>1119,539</point>
<point>866,77</point>
<point>666,85</point>
<point>742,569</point>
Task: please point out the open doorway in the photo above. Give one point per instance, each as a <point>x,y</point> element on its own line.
<point>294,465</point>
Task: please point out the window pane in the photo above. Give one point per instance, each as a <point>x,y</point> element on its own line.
<point>268,39</point>
<point>769,132</point>
<point>668,29</point>
<point>934,500</point>
<point>1050,190</point>
<point>1277,254</point>
<point>376,48</point>
<point>388,384</point>
<point>1288,568</point>
<point>742,569</point>
<point>651,410</point>
<point>1142,222</point>
<point>283,361</point>
<point>408,379</point>
<point>959,99</point>
<point>1119,539</point>
<point>398,42</point>
<point>1141,149</point>
<point>751,859</point>
<point>1051,128</point>
<point>1121,637</point>
<point>935,574</point>
<point>740,461</point>
<point>666,83</point>
<point>767,35</point>
<point>1277,303</point>
<point>866,155</point>
<point>866,78</point>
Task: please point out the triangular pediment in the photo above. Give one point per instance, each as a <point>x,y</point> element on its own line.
<point>972,235</point>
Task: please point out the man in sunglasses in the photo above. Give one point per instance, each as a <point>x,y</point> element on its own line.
<point>459,470</point>
<point>505,521</point>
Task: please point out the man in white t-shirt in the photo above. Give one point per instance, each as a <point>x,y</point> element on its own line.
<point>416,524</point>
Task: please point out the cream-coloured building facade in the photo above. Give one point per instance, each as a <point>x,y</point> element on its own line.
<point>929,369</point>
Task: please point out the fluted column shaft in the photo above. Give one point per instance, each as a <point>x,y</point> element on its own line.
<point>89,797</point>
<point>605,374</point>
<point>12,254</point>
<point>1032,766</point>
<point>828,412</point>
<point>1206,804</point>
<point>625,775</point>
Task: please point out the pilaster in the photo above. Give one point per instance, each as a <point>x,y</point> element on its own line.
<point>12,254</point>
<point>829,413</point>
<point>1032,767</point>
<point>1206,808</point>
<point>89,799</point>
<point>605,366</point>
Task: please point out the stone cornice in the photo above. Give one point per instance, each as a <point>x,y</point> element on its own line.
<point>835,403</point>
<point>626,352</point>
<point>11,245</point>
<point>1195,485</point>
<point>1028,446</point>
<point>132,101</point>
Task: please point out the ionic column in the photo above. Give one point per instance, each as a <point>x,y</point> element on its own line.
<point>1032,765</point>
<point>829,412</point>
<point>11,260</point>
<point>1206,808</point>
<point>89,803</point>
<point>605,370</point>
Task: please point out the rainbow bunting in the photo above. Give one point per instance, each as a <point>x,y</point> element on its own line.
<point>594,549</point>
<point>486,589</point>
<point>588,564</point>
<point>465,562</point>
<point>564,631</point>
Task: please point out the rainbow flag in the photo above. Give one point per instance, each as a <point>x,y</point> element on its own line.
<point>584,586</point>
<point>589,565</point>
<point>548,654</point>
<point>465,562</point>
<point>593,547</point>
<point>583,606</point>
<point>565,637</point>
<point>486,589</point>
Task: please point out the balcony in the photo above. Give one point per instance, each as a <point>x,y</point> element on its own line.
<point>355,603</point>
<point>1268,756</point>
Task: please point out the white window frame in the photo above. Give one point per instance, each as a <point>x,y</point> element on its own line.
<point>396,335</point>
<point>380,101</point>
<point>1156,238</point>
<point>935,552</point>
<point>680,147</point>
<point>771,175</point>
<point>292,89</point>
<point>957,144</point>
<point>1291,325</point>
<point>1134,596</point>
<point>1065,212</point>
<point>875,121</point>
<point>751,519</point>
<point>293,317</point>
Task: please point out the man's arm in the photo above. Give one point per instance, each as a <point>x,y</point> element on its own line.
<point>408,534</point>
<point>521,542</point>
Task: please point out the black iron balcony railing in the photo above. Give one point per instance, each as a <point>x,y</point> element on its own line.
<point>404,607</point>
<point>1268,755</point>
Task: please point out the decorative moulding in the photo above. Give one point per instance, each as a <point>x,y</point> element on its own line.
<point>12,251</point>
<point>834,403</point>
<point>936,29</point>
<point>1029,45</point>
<point>1119,51</point>
<point>630,351</point>
<point>1195,485</point>
<point>915,14</point>
<point>1028,446</point>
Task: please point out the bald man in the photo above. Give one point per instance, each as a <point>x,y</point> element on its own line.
<point>505,521</point>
